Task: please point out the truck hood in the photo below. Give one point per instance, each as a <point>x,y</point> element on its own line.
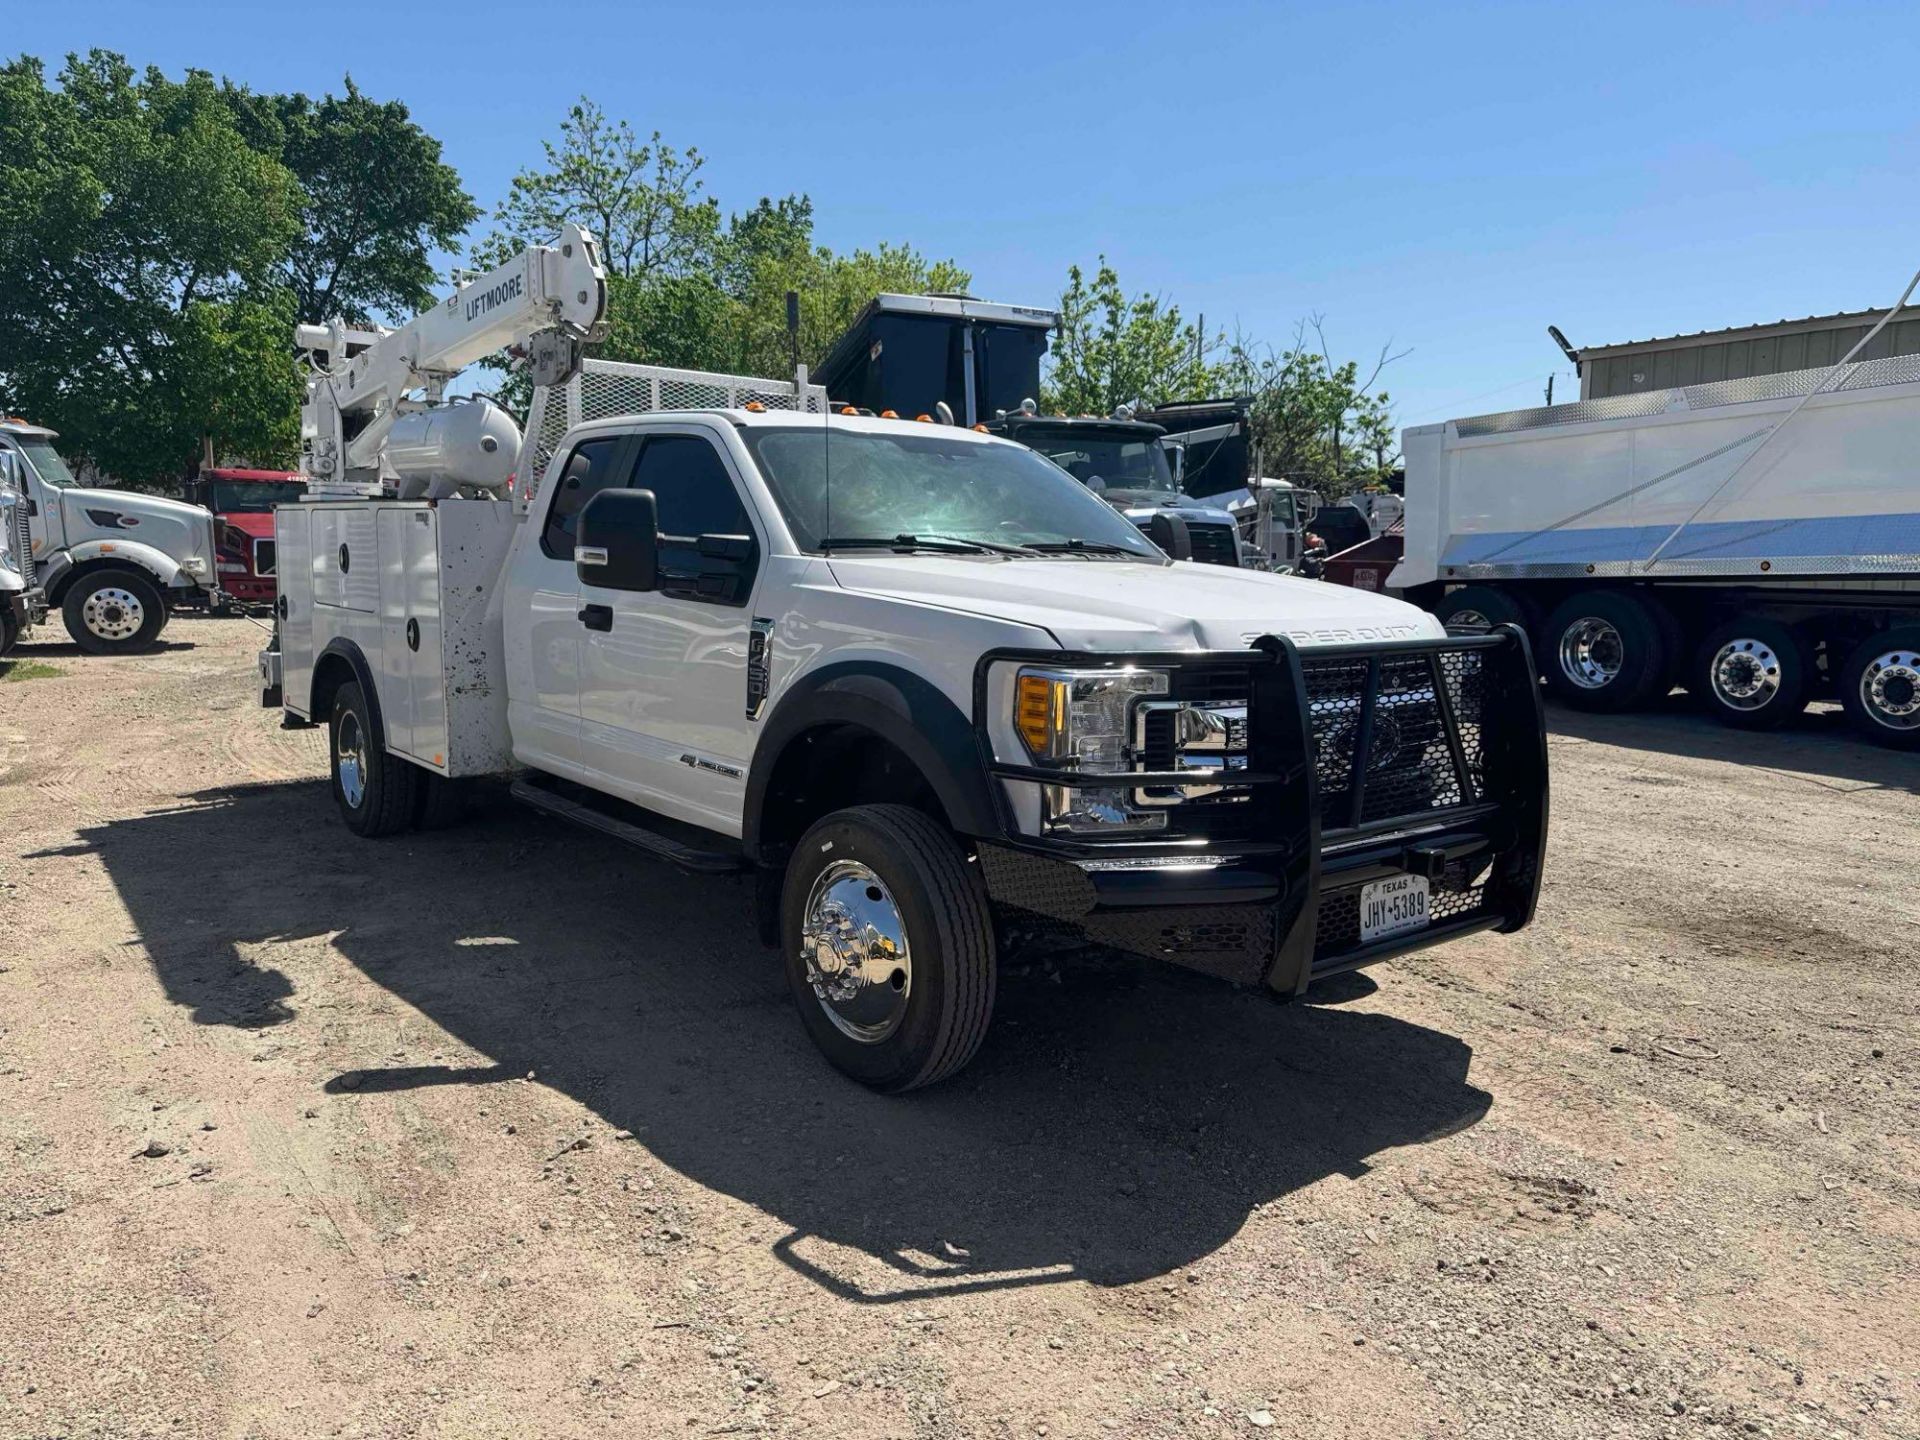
<point>1106,605</point>
<point>172,527</point>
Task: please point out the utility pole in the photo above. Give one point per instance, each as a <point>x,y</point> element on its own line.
<point>1549,389</point>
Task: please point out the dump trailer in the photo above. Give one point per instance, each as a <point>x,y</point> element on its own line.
<point>1756,541</point>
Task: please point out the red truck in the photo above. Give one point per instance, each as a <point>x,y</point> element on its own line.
<point>242,503</point>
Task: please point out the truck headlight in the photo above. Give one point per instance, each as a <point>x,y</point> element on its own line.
<point>194,564</point>
<point>1080,720</point>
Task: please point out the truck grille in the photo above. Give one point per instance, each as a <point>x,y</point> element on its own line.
<point>1422,734</point>
<point>23,541</point>
<point>1213,544</point>
<point>1423,740</point>
<point>263,557</point>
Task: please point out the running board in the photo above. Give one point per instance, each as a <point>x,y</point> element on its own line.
<point>705,862</point>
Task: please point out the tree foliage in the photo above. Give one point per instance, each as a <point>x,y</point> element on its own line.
<point>687,287</point>
<point>1316,422</point>
<point>137,311</point>
<point>1114,350</point>
<point>377,201</point>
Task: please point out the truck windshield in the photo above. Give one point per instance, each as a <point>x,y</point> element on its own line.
<point>1118,462</point>
<point>252,497</point>
<point>883,485</point>
<point>47,464</point>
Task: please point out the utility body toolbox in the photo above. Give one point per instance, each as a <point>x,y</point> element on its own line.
<point>403,588</point>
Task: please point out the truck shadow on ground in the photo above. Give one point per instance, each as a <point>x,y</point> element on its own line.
<point>1818,745</point>
<point>1123,1120</point>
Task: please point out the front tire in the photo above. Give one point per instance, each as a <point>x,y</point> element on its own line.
<point>114,612</point>
<point>1603,651</point>
<point>9,630</point>
<point>1880,687</point>
<point>888,945</point>
<point>1751,674</point>
<point>374,790</point>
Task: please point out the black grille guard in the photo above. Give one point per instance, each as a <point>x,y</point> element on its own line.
<point>1317,808</point>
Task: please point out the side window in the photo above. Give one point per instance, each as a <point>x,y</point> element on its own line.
<point>696,497</point>
<point>589,470</point>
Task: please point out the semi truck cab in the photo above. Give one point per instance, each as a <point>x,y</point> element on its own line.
<point>242,504</point>
<point>115,562</point>
<point>1126,463</point>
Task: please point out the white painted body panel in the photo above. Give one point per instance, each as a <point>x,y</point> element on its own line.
<point>1550,494</point>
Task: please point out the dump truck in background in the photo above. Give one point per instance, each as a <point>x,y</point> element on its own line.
<point>1756,541</point>
<point>242,503</point>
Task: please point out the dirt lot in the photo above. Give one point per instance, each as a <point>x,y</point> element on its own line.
<point>504,1131</point>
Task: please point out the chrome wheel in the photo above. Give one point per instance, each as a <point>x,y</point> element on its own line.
<point>350,759</point>
<point>1468,620</point>
<point>1890,689</point>
<point>1745,674</point>
<point>113,614</point>
<point>1591,653</point>
<point>854,941</point>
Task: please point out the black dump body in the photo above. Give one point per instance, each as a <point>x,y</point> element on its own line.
<point>1348,764</point>
<point>1218,465</point>
<point>911,353</point>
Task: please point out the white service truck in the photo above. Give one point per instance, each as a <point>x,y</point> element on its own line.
<point>1756,541</point>
<point>114,562</point>
<point>915,680</point>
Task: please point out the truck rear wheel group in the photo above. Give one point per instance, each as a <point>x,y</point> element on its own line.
<point>1614,650</point>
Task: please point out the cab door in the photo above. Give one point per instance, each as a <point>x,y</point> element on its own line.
<point>543,656</point>
<point>663,673</point>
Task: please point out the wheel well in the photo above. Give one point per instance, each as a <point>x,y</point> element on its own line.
<point>65,580</point>
<point>329,675</point>
<point>830,767</point>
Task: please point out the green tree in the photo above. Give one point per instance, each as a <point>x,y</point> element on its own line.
<point>641,199</point>
<point>1315,422</point>
<point>1114,350</point>
<point>378,200</point>
<point>684,287</point>
<point>138,310</point>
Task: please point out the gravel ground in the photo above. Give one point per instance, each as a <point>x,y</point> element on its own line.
<point>503,1131</point>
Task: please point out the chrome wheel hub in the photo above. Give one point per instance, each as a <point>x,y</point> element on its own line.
<point>1745,674</point>
<point>1890,689</point>
<point>113,614</point>
<point>350,762</point>
<point>854,941</point>
<point>1468,620</point>
<point>1591,653</point>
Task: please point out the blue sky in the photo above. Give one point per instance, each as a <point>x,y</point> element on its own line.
<point>1447,179</point>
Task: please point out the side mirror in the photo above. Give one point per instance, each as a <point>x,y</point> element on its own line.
<point>9,478</point>
<point>1179,465</point>
<point>1169,532</point>
<point>617,545</point>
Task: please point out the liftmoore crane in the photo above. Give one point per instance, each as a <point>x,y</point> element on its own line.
<point>377,420</point>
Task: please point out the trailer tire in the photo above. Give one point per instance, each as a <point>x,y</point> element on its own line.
<point>374,790</point>
<point>1673,639</point>
<point>1880,687</point>
<point>1603,651</point>
<point>1481,607</point>
<point>875,870</point>
<point>1751,674</point>
<point>114,612</point>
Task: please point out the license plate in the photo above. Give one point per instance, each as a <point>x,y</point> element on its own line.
<point>1392,907</point>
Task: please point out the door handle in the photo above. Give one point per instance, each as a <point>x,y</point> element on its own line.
<point>597,617</point>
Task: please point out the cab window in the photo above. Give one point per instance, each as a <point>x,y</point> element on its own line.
<point>696,497</point>
<point>590,469</point>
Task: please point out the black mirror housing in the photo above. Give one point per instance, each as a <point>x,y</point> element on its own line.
<point>617,544</point>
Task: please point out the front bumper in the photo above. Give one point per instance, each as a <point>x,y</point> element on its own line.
<point>1422,757</point>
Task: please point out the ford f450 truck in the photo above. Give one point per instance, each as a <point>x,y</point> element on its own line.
<point>917,682</point>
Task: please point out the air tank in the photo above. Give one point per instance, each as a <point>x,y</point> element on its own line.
<point>468,443</point>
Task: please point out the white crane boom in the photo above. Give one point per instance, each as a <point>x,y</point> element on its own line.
<point>550,299</point>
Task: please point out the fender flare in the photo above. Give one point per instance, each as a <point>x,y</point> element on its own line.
<point>91,555</point>
<point>902,708</point>
<point>339,648</point>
